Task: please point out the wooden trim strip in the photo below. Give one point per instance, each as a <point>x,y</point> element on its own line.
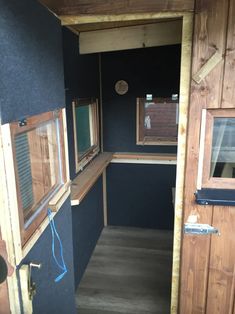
<point>208,67</point>
<point>86,179</point>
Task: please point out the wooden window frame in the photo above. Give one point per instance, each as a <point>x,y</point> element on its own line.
<point>81,162</point>
<point>151,140</point>
<point>25,238</point>
<point>204,178</point>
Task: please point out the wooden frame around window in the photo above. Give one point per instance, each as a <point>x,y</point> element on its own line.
<point>142,138</point>
<point>82,160</point>
<point>204,178</point>
<point>26,236</point>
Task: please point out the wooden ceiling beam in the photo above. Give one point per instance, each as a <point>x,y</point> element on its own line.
<point>105,7</point>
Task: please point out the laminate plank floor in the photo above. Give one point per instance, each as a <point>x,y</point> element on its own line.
<point>129,273</point>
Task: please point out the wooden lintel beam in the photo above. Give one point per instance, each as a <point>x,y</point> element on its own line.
<point>85,19</point>
<point>95,7</point>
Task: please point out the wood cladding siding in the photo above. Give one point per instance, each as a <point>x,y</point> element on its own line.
<point>207,267</point>
<point>94,7</point>
<point>228,100</point>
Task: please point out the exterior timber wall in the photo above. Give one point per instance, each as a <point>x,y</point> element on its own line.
<point>207,268</point>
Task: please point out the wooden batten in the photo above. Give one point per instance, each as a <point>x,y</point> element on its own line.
<point>142,36</point>
<point>207,67</point>
<point>105,209</point>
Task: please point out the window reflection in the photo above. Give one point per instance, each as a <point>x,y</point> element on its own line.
<point>223,148</point>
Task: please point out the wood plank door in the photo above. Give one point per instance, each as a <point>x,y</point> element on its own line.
<point>4,297</point>
<point>207,280</point>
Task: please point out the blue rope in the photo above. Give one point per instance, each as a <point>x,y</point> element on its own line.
<point>54,234</point>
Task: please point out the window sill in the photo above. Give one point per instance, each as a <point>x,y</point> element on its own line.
<point>145,158</point>
<point>159,143</point>
<point>85,180</point>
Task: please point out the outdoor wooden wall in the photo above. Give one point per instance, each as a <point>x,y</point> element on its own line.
<point>207,267</point>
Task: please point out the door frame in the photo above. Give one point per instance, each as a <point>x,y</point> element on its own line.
<point>7,236</point>
<point>185,76</point>
<point>185,71</point>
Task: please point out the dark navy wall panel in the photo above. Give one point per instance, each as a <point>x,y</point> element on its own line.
<point>140,195</point>
<point>81,81</point>
<point>54,297</point>
<point>32,82</point>
<point>148,71</point>
<point>81,71</point>
<point>31,79</point>
<point>87,225</point>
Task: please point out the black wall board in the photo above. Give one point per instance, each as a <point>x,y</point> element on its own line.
<point>32,82</point>
<point>148,71</point>
<point>31,79</point>
<point>52,297</point>
<point>81,71</point>
<point>81,81</point>
<point>140,195</point>
<point>87,225</point>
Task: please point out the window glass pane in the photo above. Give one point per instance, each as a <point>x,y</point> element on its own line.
<point>38,166</point>
<point>83,128</point>
<point>160,120</point>
<point>223,148</point>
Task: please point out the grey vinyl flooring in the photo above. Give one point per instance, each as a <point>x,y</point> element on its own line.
<point>129,272</point>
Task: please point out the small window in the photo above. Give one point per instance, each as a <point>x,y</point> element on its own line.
<point>39,163</point>
<point>217,148</point>
<point>86,131</point>
<point>157,121</point>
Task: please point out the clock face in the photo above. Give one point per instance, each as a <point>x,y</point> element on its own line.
<point>121,87</point>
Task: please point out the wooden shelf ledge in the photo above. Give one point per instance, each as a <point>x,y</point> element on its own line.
<point>145,158</point>
<point>86,179</point>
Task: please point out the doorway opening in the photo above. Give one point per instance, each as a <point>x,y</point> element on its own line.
<point>137,173</point>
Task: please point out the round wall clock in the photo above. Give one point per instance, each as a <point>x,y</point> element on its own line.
<point>121,87</point>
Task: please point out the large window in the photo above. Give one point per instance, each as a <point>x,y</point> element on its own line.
<point>217,149</point>
<point>86,131</point>
<point>38,155</point>
<point>157,121</point>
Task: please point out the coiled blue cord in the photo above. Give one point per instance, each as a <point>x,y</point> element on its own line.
<point>54,234</point>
